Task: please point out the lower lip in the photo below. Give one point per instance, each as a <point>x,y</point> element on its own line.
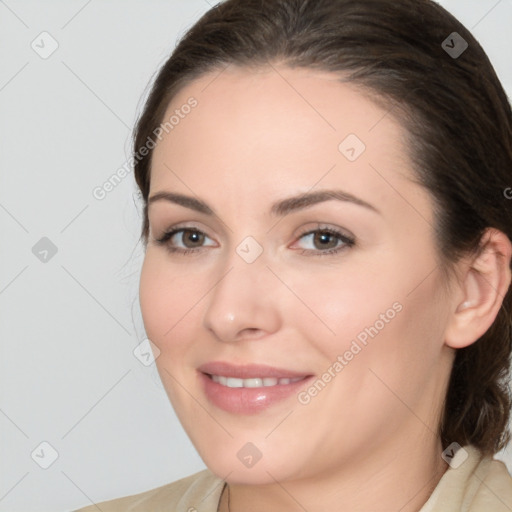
<point>248,400</point>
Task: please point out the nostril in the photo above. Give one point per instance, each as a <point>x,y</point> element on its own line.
<point>250,332</point>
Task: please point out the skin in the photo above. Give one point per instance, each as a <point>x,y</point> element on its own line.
<point>368,440</point>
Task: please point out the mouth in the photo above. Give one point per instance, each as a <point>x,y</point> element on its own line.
<point>256,382</point>
<point>249,389</point>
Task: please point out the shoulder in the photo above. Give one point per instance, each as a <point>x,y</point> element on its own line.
<point>472,483</point>
<point>492,485</point>
<point>196,493</point>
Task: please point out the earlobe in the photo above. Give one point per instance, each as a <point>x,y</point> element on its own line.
<point>481,292</point>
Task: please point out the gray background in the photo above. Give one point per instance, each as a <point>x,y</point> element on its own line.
<point>69,324</point>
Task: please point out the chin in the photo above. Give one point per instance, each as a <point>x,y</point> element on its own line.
<point>260,474</point>
<point>240,461</point>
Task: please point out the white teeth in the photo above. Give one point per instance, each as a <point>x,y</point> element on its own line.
<point>252,383</point>
<point>232,382</point>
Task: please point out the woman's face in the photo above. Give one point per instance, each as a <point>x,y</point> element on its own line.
<point>303,331</point>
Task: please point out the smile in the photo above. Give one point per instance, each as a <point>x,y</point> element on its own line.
<point>257,382</point>
<point>250,388</point>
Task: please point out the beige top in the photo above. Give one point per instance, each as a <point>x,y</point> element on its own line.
<point>479,484</point>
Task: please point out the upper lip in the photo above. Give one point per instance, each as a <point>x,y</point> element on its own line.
<point>249,371</point>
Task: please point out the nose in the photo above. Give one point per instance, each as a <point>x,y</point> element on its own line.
<point>243,303</point>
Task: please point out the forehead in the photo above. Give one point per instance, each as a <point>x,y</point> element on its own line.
<point>276,105</point>
<point>271,128</point>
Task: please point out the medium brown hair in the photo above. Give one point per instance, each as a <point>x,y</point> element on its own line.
<point>458,121</point>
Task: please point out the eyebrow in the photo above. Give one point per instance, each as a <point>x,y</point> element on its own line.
<point>280,208</point>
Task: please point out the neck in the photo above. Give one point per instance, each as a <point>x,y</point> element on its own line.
<point>398,477</point>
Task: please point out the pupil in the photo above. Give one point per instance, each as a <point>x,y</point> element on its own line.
<point>194,237</point>
<point>324,238</point>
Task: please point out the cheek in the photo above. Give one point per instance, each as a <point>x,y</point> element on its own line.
<point>386,307</point>
<point>399,334</point>
<point>336,306</point>
<point>167,299</point>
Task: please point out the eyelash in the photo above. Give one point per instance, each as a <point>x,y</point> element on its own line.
<point>347,241</point>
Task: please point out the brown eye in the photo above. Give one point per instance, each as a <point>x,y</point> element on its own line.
<point>185,240</point>
<point>325,240</point>
<point>192,239</point>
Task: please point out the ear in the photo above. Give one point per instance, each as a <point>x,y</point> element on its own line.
<point>485,282</point>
